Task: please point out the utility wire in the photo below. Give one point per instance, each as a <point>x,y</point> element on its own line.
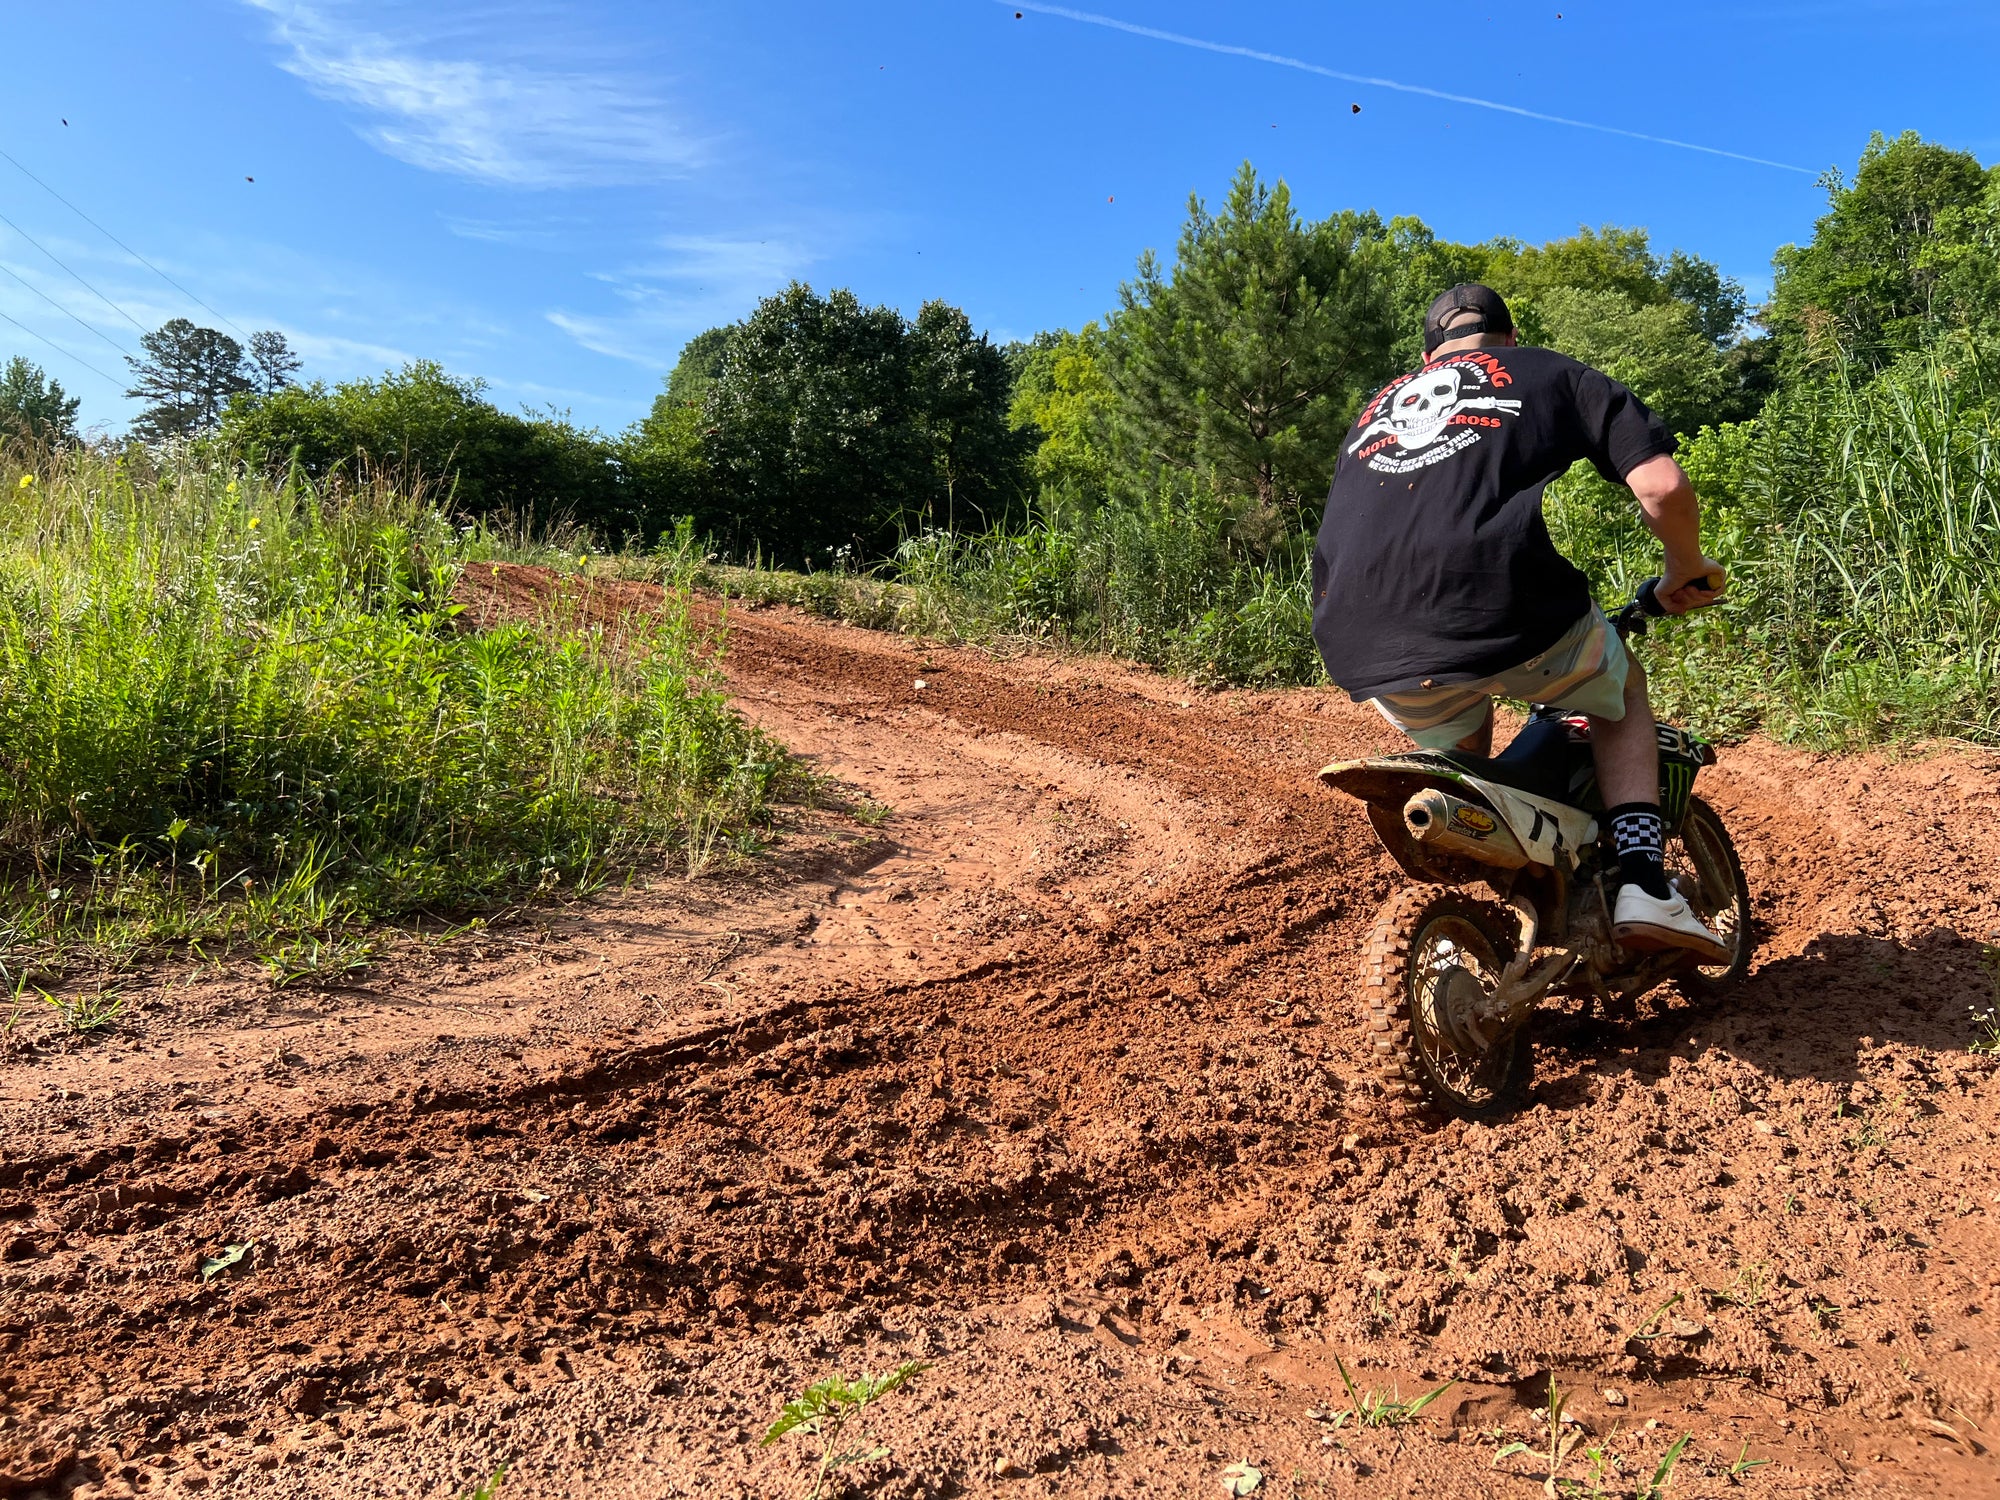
<point>86,327</point>
<point>1090,18</point>
<point>123,246</point>
<point>62,351</point>
<point>74,274</point>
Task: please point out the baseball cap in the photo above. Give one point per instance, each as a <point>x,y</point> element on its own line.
<point>1467,296</point>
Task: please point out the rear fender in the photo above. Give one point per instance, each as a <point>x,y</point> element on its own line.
<point>1551,833</point>
<point>1383,785</point>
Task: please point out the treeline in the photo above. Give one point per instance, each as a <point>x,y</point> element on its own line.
<point>1150,483</point>
<point>817,424</point>
<point>819,427</point>
<point>1860,509</point>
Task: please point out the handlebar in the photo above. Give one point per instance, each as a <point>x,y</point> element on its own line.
<point>1635,618</point>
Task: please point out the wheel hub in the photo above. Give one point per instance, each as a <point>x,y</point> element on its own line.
<point>1459,998</point>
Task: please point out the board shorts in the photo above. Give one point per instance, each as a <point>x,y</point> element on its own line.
<point>1584,671</point>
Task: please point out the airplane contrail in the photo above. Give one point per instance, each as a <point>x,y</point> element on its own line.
<point>1132,28</point>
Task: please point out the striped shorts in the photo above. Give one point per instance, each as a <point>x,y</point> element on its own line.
<point>1585,671</point>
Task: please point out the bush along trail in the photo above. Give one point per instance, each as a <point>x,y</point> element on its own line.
<point>1025,1067</point>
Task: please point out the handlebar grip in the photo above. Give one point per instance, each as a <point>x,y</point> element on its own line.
<point>1648,599</point>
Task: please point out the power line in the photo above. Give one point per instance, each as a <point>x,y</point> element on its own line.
<point>86,327</point>
<point>123,246</point>
<point>1226,49</point>
<point>62,351</point>
<point>75,274</point>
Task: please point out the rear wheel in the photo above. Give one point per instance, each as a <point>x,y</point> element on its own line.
<point>1434,957</point>
<point>1702,863</point>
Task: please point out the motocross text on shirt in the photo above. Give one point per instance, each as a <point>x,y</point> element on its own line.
<point>1434,564</point>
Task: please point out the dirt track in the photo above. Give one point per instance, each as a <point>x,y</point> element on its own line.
<point>1049,1078</point>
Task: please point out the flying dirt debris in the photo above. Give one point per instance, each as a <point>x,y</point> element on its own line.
<point>1046,1073</point>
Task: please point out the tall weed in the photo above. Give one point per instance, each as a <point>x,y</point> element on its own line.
<point>227,707</point>
<point>1861,525</point>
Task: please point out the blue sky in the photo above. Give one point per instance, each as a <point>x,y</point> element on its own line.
<point>555,196</point>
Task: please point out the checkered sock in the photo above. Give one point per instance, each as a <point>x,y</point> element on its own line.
<point>1639,833</point>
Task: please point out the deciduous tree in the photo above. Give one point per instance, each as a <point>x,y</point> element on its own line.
<point>33,407</point>
<point>828,424</point>
<point>1063,401</point>
<point>1893,261</point>
<point>960,390</point>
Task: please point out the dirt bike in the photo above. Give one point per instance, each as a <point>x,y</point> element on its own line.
<point>1451,980</point>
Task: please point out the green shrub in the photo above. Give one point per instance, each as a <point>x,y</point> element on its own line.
<point>230,707</point>
<point>421,425</point>
<point>1861,525</point>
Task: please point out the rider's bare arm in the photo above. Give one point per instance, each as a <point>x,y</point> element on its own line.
<point>1673,514</point>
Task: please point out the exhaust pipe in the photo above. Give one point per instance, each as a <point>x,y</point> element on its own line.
<point>1454,826</point>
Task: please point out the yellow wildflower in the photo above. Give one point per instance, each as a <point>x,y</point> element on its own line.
<point>27,481</point>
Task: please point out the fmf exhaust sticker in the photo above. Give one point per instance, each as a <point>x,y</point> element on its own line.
<point>1471,820</point>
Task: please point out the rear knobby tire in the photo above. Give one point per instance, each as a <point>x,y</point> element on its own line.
<point>1425,1063</point>
<point>1701,855</point>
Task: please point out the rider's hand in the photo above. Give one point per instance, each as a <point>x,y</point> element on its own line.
<point>1690,584</point>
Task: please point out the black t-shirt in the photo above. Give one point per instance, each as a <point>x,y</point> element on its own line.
<point>1434,563</point>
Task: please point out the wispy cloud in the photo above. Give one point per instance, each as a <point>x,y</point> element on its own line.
<point>692,282</point>
<point>533,236</point>
<point>489,119</point>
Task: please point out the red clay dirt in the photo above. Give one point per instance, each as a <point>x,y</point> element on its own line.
<point>1049,1076</point>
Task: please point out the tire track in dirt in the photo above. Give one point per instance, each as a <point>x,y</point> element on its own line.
<point>1054,1079</point>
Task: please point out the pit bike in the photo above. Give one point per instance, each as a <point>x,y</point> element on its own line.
<point>1451,978</point>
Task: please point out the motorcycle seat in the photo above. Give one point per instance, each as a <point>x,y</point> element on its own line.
<point>1541,760</point>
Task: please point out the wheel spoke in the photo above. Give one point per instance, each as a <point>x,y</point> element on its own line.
<point>1453,970</point>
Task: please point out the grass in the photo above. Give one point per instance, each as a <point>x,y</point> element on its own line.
<point>1605,1469</point>
<point>313,962</point>
<point>1745,1464</point>
<point>82,1015</point>
<point>1986,1019</point>
<point>827,1406</point>
<point>1383,1409</point>
<point>1860,520</point>
<point>1646,1332</point>
<point>236,711</point>
<point>1749,1289</point>
<point>1159,582</point>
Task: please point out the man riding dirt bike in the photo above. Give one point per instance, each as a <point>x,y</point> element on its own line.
<point>1437,588</point>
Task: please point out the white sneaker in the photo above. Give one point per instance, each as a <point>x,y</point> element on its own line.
<point>1649,924</point>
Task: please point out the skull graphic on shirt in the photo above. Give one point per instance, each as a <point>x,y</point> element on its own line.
<point>1416,413</point>
<point>1423,407</point>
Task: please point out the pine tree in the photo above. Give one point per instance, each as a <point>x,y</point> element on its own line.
<point>188,377</point>
<point>272,363</point>
<point>1247,363</point>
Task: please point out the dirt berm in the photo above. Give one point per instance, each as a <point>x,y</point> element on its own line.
<point>1036,1062</point>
